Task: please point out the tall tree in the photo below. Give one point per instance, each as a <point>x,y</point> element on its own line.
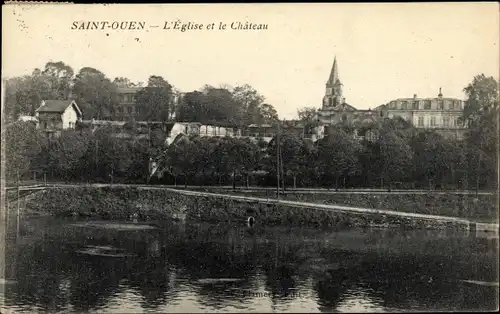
<point>395,156</point>
<point>338,155</point>
<point>94,93</point>
<point>191,108</point>
<point>293,155</point>
<point>220,106</point>
<point>155,100</point>
<point>268,113</point>
<point>23,95</point>
<point>60,78</point>
<point>22,145</point>
<point>249,101</point>
<point>481,115</point>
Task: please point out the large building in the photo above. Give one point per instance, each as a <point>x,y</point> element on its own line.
<point>438,113</point>
<point>126,103</point>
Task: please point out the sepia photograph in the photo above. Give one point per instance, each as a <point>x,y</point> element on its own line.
<point>278,157</point>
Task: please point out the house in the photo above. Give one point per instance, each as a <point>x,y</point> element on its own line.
<point>56,115</point>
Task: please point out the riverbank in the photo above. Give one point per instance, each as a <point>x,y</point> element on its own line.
<point>119,202</point>
<point>481,207</point>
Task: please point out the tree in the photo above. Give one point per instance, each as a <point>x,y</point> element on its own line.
<point>154,102</point>
<point>179,159</point>
<point>60,77</point>
<point>123,82</point>
<point>338,156</point>
<point>191,108</point>
<point>23,95</point>
<point>481,116</point>
<point>431,159</point>
<point>94,93</point>
<point>293,155</point>
<point>17,100</point>
<point>242,157</point>
<point>307,114</point>
<point>309,118</point>
<point>22,145</point>
<point>268,114</point>
<point>65,154</point>
<point>395,157</point>
<point>249,102</point>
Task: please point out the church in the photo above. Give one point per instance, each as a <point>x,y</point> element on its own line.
<point>336,112</point>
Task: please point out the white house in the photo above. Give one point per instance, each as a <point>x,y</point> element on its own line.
<point>56,115</point>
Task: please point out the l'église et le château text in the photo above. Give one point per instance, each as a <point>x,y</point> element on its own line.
<point>168,25</point>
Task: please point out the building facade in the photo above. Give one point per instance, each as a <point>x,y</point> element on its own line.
<point>439,113</point>
<point>126,109</point>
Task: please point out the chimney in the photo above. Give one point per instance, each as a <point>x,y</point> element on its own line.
<point>440,94</point>
<point>414,96</point>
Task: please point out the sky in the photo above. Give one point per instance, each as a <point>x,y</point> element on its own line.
<point>384,51</point>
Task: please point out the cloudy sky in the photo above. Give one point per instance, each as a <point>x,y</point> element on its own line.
<point>384,51</point>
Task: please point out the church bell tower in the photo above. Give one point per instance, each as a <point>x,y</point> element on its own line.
<point>333,95</point>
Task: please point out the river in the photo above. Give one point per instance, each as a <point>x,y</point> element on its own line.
<point>75,265</point>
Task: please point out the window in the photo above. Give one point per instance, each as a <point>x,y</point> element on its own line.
<point>457,122</point>
<point>446,121</point>
<point>433,121</point>
<point>420,121</point>
<point>441,104</point>
<point>404,105</point>
<point>129,109</point>
<point>427,105</point>
<point>458,104</point>
<point>415,105</point>
<point>394,105</point>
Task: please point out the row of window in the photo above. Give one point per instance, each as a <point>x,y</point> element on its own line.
<point>427,104</point>
<point>126,98</point>
<point>445,121</point>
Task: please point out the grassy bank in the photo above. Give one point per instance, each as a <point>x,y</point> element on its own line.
<point>119,203</point>
<point>481,208</point>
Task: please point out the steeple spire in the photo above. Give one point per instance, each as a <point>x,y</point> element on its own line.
<point>334,74</point>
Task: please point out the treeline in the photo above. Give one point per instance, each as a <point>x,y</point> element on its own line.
<point>157,100</point>
<point>75,156</point>
<point>400,157</point>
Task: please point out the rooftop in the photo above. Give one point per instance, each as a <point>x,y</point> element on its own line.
<point>56,106</point>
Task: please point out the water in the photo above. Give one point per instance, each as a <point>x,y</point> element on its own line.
<point>69,265</point>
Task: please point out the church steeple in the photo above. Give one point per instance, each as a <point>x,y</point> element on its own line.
<point>334,74</point>
<point>333,96</point>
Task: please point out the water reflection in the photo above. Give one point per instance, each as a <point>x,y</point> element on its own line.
<point>201,267</point>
